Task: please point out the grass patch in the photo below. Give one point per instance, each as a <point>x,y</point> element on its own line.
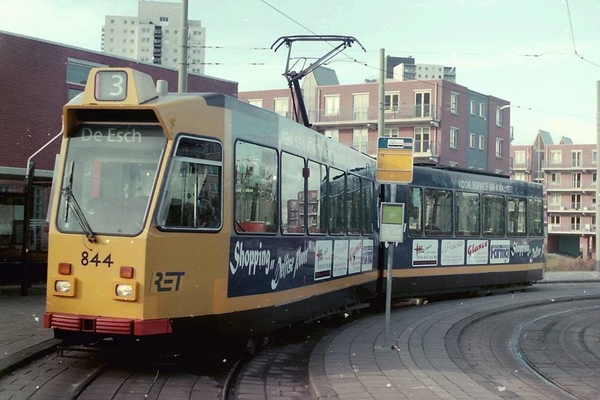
<point>557,262</point>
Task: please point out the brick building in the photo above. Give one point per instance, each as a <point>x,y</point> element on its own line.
<point>568,172</point>
<point>37,78</point>
<point>450,124</point>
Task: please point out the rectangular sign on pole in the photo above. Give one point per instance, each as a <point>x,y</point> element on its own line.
<point>392,222</point>
<point>395,160</point>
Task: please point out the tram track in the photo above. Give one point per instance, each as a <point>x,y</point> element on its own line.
<point>525,345</point>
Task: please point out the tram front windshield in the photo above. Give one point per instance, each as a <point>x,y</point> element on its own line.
<point>109,175</point>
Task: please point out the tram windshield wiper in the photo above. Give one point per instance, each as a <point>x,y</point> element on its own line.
<point>72,203</point>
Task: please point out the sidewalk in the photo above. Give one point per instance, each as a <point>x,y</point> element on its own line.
<point>21,332</point>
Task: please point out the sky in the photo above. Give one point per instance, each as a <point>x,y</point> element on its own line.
<point>543,56</point>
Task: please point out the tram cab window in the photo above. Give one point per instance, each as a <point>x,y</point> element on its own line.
<point>467,214</point>
<point>192,199</point>
<point>493,215</point>
<point>536,217</point>
<point>415,211</point>
<point>438,212</point>
<point>109,181</point>
<point>256,194</point>
<point>317,196</point>
<point>293,197</point>
<point>517,216</point>
<point>336,191</point>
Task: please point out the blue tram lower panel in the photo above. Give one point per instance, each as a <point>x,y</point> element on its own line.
<point>427,265</point>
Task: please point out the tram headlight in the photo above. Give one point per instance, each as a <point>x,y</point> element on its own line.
<point>62,286</point>
<point>124,290</point>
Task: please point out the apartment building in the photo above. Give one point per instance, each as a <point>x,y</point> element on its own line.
<point>153,36</point>
<point>568,173</point>
<point>449,123</point>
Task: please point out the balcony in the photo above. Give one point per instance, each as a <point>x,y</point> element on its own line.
<point>398,116</point>
<point>573,229</point>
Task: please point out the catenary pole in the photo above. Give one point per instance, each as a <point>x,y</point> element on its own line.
<point>597,174</point>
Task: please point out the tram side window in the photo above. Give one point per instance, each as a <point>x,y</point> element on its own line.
<point>415,211</point>
<point>337,191</point>
<point>438,212</point>
<point>317,195</point>
<point>293,198</point>
<point>256,196</point>
<point>467,214</point>
<point>353,206</point>
<point>493,215</point>
<point>193,196</point>
<point>536,217</point>
<point>367,202</point>
<point>517,216</point>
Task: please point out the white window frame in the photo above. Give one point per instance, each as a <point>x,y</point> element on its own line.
<point>519,157</point>
<point>472,107</point>
<point>391,102</point>
<point>482,110</point>
<point>256,102</point>
<point>454,99</point>
<point>360,106</point>
<point>472,140</point>
<point>360,139</point>
<point>499,117</point>
<point>555,156</point>
<point>332,104</point>
<point>391,132</point>
<point>499,148</point>
<point>481,142</point>
<point>453,137</point>
<point>281,105</point>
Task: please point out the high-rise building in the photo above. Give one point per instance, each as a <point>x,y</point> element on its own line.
<point>153,36</point>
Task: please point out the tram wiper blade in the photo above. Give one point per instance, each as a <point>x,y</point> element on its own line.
<point>72,203</point>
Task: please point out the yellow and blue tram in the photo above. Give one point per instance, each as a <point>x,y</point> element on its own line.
<point>182,215</point>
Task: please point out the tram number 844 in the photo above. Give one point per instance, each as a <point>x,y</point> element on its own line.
<point>95,260</point>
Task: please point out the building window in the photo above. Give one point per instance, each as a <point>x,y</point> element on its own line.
<point>281,106</point>
<point>360,138</point>
<point>472,140</point>
<point>391,132</point>
<point>575,223</point>
<point>499,117</point>
<point>391,102</point>
<point>555,156</point>
<point>422,104</point>
<point>520,176</point>
<point>361,106</point>
<point>575,201</point>
<point>472,107</point>
<point>555,220</point>
<point>555,178</point>
<point>453,137</point>
<point>332,134</point>
<point>519,157</point>
<point>256,102</point>
<point>481,142</point>
<point>576,180</point>
<point>454,103</point>
<point>594,156</point>
<point>576,158</point>
<point>422,140</point>
<point>332,105</point>
<point>555,199</point>
<point>482,110</point>
<point>499,148</point>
